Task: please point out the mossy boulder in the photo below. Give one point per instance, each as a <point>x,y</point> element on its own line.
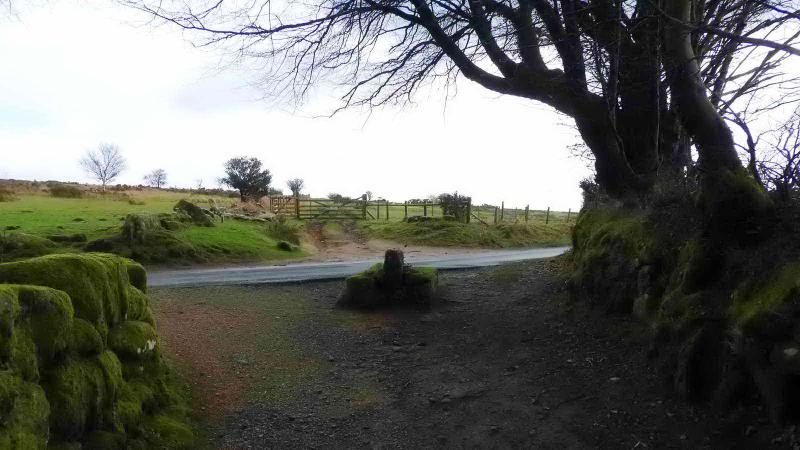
<point>83,373</point>
<point>24,411</point>
<point>610,247</point>
<point>133,339</point>
<point>36,324</point>
<point>78,394</point>
<point>18,245</point>
<point>97,283</point>
<point>85,338</point>
<point>167,433</point>
<point>136,275</point>
<point>196,214</point>
<point>391,283</point>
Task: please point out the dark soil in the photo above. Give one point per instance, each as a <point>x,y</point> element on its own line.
<point>503,361</point>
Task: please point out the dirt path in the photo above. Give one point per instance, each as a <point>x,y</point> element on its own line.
<point>342,241</point>
<point>502,362</point>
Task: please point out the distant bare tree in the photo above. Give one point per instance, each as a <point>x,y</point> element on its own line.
<point>156,178</point>
<point>295,185</point>
<point>103,164</point>
<point>369,195</point>
<point>780,168</point>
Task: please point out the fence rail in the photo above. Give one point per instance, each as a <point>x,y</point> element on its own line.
<point>304,208</point>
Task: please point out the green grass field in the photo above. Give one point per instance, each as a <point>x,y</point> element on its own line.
<point>101,216</point>
<point>475,235</point>
<point>486,214</point>
<point>32,216</point>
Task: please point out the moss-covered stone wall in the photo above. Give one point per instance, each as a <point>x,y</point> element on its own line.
<point>725,318</point>
<point>80,362</point>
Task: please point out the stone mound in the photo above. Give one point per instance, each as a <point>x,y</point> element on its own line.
<point>80,362</point>
<point>391,283</point>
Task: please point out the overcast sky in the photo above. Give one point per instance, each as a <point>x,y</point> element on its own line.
<point>79,73</point>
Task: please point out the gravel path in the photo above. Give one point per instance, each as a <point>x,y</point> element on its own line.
<point>503,361</point>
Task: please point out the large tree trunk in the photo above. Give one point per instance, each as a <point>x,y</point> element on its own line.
<point>729,197</point>
<point>615,157</point>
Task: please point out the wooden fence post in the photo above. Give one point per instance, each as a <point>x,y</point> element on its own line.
<point>469,208</point>
<point>387,210</point>
<point>502,210</point>
<point>527,208</point>
<point>569,212</point>
<point>425,208</point>
<point>364,207</point>
<point>405,210</point>
<point>377,210</point>
<point>495,215</point>
<point>547,217</point>
<point>297,207</point>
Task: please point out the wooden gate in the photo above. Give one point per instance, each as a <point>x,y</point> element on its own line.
<point>318,208</point>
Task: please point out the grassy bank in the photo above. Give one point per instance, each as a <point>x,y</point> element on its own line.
<point>442,233</point>
<point>95,216</point>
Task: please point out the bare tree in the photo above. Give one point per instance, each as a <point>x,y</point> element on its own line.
<point>103,164</point>
<point>369,195</point>
<point>295,185</point>
<point>643,80</point>
<point>157,178</point>
<point>780,167</point>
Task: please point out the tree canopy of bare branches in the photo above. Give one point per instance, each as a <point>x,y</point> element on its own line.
<point>157,178</point>
<point>104,164</point>
<point>295,185</point>
<point>780,165</point>
<point>643,80</point>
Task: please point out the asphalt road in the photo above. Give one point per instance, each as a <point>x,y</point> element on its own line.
<point>334,270</point>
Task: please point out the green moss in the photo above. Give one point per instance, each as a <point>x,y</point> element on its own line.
<point>420,275</point>
<point>112,373</point>
<point>48,313</point>
<point>168,433</point>
<point>137,304</point>
<point>24,411</point>
<point>598,229</point>
<point>753,301</point>
<point>133,339</point>
<point>149,317</point>
<point>96,283</point>
<point>104,440</point>
<point>134,398</point>
<point>78,395</point>
<point>731,199</point>
<point>9,310</point>
<point>696,266</point>
<point>137,275</point>
<point>448,233</point>
<point>20,245</point>
<point>23,354</point>
<point>86,340</point>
